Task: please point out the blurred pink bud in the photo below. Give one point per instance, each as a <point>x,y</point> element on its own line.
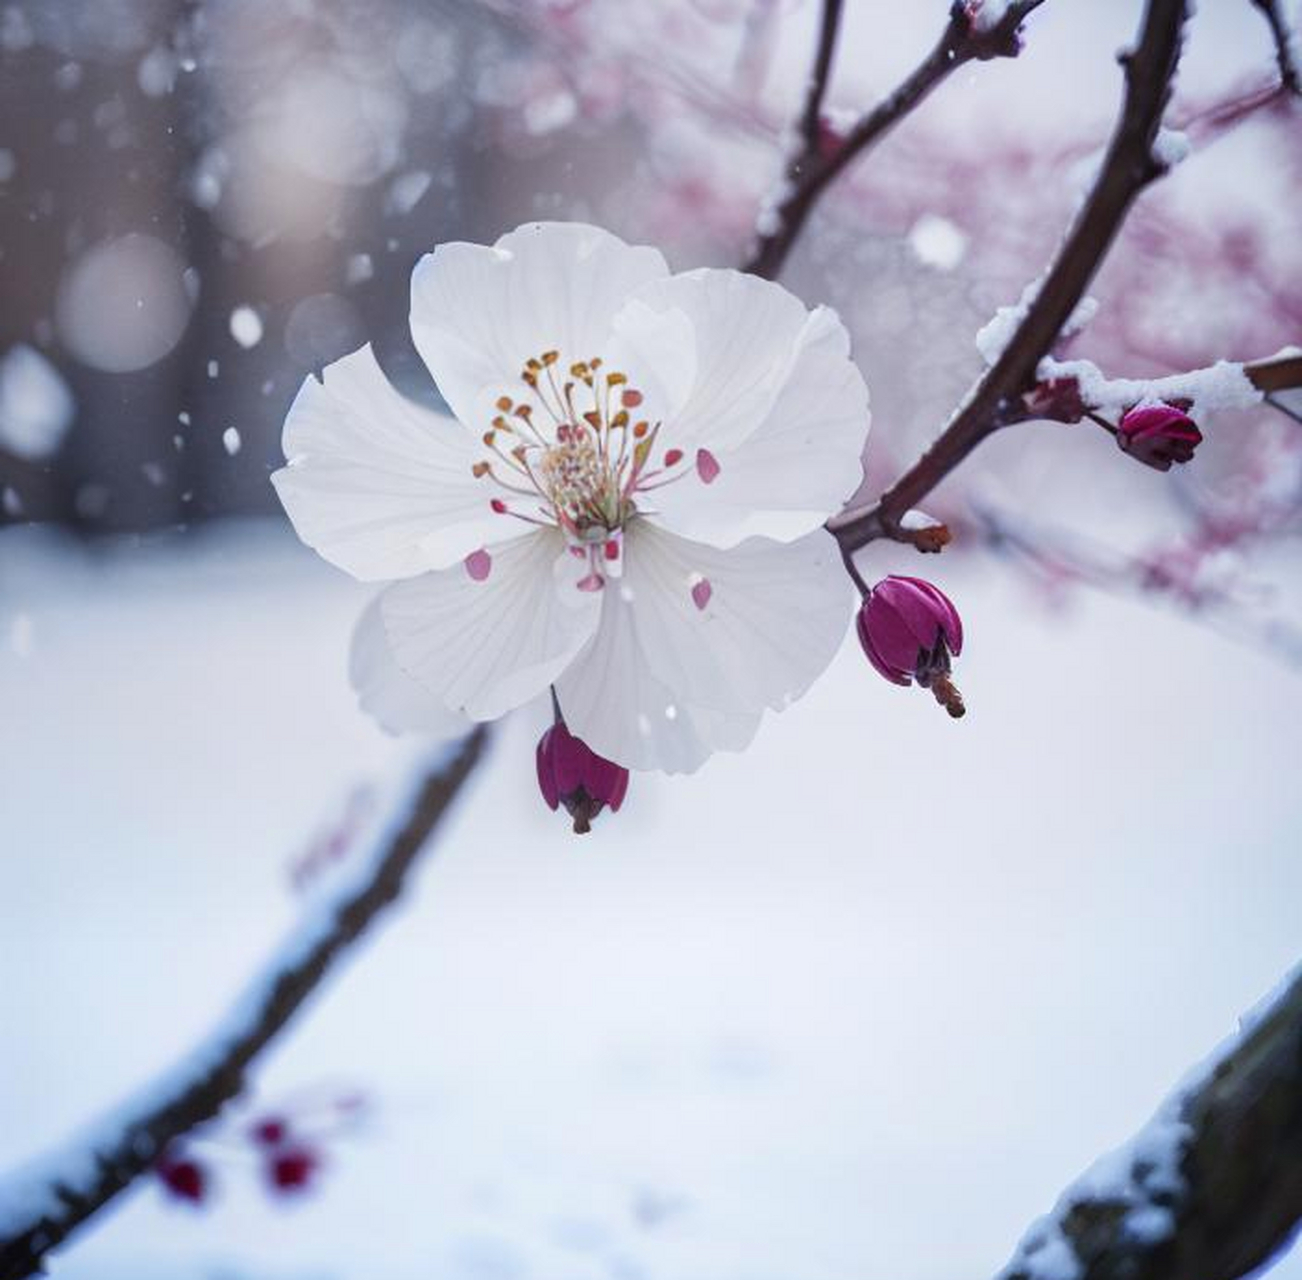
<point>909,629</point>
<point>570,773</point>
<point>183,1178</point>
<point>270,1132</point>
<point>293,1169</point>
<point>1158,435</point>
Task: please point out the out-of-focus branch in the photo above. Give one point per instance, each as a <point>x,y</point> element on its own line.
<point>812,115</point>
<point>41,1206</point>
<point>1285,55</point>
<point>813,166</point>
<point>1210,1190</point>
<point>1060,558</point>
<point>1128,167</point>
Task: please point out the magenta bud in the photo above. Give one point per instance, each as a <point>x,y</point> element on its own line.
<point>270,1132</point>
<point>909,629</point>
<point>293,1169</point>
<point>570,773</point>
<point>1158,435</point>
<point>183,1178</point>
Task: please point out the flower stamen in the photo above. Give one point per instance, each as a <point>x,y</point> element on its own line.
<point>588,469</point>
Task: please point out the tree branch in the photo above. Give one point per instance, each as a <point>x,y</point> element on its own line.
<point>1210,1190</point>
<point>1285,48</point>
<point>1276,373</point>
<point>812,168</point>
<point>1128,167</point>
<point>40,1207</point>
<point>812,115</point>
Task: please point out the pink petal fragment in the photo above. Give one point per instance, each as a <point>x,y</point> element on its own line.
<point>707,466</point>
<point>701,593</point>
<point>593,582</point>
<point>478,564</point>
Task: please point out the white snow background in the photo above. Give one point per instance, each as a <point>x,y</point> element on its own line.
<point>860,1001</point>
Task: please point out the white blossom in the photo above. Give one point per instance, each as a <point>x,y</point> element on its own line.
<point>628,507</point>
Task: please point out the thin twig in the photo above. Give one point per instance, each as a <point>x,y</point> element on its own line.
<point>65,1194</point>
<point>1128,167</point>
<point>1233,1194</point>
<point>1280,32</point>
<point>812,167</point>
<point>812,115</point>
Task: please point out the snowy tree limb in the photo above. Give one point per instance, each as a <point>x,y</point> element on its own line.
<point>1276,373</point>
<point>1286,45</point>
<point>1210,1190</point>
<point>1129,165</point>
<point>41,1206</point>
<point>811,167</point>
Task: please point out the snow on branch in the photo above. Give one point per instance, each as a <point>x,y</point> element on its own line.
<point>1210,1188</point>
<point>817,158</point>
<point>1129,165</point>
<point>42,1204</point>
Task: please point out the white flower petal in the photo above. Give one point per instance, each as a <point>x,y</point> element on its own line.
<point>800,463</point>
<point>647,727</point>
<point>387,693</point>
<point>700,630</point>
<point>486,646</point>
<point>743,329</point>
<point>478,313</point>
<point>379,485</point>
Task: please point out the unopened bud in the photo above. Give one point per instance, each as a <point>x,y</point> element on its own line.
<point>1158,435</point>
<point>909,629</point>
<point>570,773</point>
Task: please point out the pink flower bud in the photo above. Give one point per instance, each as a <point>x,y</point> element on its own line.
<point>1158,435</point>
<point>570,773</point>
<point>293,1169</point>
<point>909,630</point>
<point>182,1177</point>
<point>270,1132</point>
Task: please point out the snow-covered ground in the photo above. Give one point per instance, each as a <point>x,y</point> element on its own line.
<point>861,1001</point>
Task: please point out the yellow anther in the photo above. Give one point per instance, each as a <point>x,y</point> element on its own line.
<point>641,429</point>
<point>480,470</point>
<point>489,438</point>
<point>550,357</point>
<point>504,403</point>
<point>616,379</point>
<point>620,419</point>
